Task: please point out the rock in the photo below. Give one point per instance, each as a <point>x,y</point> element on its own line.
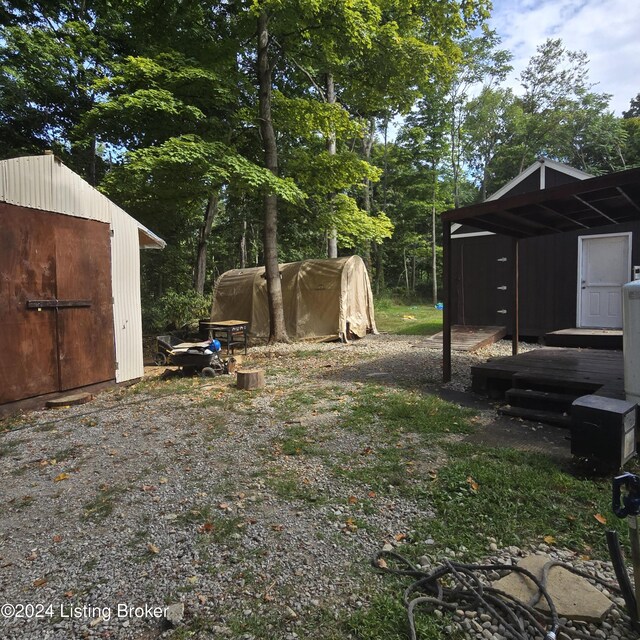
<point>388,547</point>
<point>175,613</point>
<point>574,597</point>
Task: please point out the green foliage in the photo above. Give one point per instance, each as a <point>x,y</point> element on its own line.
<point>174,309</point>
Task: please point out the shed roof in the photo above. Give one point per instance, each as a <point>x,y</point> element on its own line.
<point>45,183</point>
<point>610,199</point>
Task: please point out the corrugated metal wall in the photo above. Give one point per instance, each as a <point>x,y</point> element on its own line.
<point>127,313</point>
<point>42,182</point>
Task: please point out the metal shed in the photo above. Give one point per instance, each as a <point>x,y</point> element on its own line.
<point>70,309</point>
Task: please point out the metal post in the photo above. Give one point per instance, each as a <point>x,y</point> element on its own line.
<point>446,315</point>
<point>515,336</point>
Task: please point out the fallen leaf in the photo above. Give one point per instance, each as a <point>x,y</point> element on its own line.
<point>61,476</point>
<point>473,484</point>
<point>202,598</point>
<point>207,527</point>
<point>585,558</point>
<point>163,481</point>
<point>57,538</point>
<point>153,548</point>
<point>148,487</point>
<point>399,537</point>
<point>352,500</point>
<point>277,527</point>
<point>32,556</point>
<point>381,563</point>
<point>69,594</point>
<point>39,582</point>
<point>372,494</point>
<point>549,539</point>
<point>433,475</point>
<point>224,506</point>
<point>600,518</point>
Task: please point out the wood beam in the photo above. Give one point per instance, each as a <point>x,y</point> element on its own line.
<point>628,198</point>
<point>546,207</point>
<point>515,336</point>
<point>446,316</point>
<point>594,208</point>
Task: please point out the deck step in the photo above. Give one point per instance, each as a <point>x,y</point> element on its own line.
<point>548,417</point>
<point>585,338</point>
<point>544,400</point>
<point>554,383</point>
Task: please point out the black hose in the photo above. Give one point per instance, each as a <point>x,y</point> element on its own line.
<point>615,553</point>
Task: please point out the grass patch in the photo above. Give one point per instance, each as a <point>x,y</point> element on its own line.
<point>6,448</point>
<point>288,485</point>
<point>519,499</point>
<point>295,441</point>
<point>386,619</point>
<point>102,505</point>
<point>394,412</point>
<point>384,469</point>
<point>407,320</point>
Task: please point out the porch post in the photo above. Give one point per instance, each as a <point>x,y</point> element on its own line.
<point>516,286</point>
<point>446,315</point>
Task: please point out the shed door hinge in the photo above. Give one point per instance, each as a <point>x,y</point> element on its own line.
<point>117,366</point>
<point>112,232</point>
<point>503,311</point>
<point>502,288</point>
<point>501,260</point>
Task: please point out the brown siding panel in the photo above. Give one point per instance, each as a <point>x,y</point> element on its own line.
<point>47,256</point>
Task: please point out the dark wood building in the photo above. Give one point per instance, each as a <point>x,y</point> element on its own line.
<point>566,280</point>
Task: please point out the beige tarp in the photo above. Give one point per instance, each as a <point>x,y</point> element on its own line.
<point>322,299</point>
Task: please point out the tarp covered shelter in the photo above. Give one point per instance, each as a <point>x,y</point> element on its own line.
<point>322,299</point>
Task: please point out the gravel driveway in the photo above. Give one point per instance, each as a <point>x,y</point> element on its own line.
<point>185,493</point>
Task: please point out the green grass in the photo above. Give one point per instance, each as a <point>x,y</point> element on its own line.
<point>520,498</point>
<point>407,320</point>
<point>102,505</point>
<point>389,413</point>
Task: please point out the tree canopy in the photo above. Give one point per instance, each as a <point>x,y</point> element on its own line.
<point>252,131</point>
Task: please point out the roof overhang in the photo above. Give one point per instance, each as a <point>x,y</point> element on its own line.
<point>149,240</point>
<point>595,202</point>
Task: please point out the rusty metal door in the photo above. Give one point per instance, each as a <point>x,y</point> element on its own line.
<point>56,319</point>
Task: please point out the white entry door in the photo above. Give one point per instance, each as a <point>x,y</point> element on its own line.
<point>604,266</point>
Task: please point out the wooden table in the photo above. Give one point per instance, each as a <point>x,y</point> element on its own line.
<point>230,332</point>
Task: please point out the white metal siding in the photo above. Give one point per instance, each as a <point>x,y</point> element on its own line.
<point>42,182</point>
<point>127,314</point>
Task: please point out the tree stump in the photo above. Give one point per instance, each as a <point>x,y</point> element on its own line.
<point>249,379</point>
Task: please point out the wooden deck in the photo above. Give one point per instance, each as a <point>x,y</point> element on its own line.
<point>470,338</point>
<point>579,371</point>
<point>585,338</point>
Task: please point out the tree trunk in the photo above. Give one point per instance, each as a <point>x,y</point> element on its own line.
<point>367,145</point>
<point>434,259</point>
<point>243,246</point>
<point>200,271</point>
<point>278,331</point>
<point>332,244</point>
<point>406,271</point>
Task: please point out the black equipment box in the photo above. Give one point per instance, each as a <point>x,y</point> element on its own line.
<point>603,430</point>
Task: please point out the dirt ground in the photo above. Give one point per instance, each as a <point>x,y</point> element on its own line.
<point>236,509</point>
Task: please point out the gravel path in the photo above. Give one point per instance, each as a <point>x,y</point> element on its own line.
<point>180,493</point>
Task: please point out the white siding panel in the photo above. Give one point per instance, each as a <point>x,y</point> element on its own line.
<point>127,313</point>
